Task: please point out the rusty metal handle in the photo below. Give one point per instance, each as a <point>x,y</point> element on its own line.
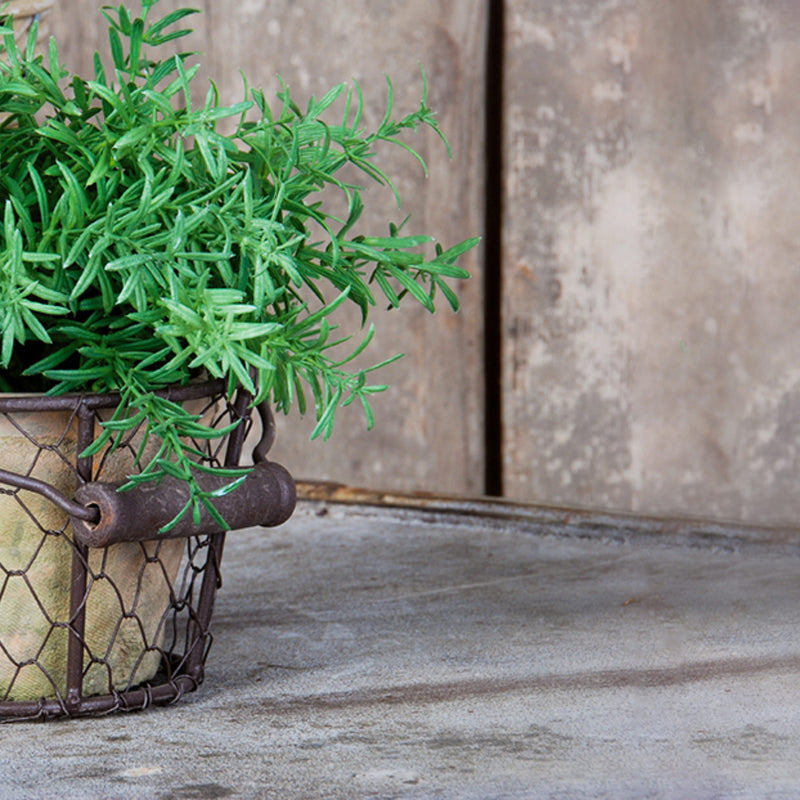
<point>101,515</point>
<point>267,497</point>
<point>267,432</point>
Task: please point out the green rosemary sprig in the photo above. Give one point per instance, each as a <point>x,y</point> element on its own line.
<point>143,245</point>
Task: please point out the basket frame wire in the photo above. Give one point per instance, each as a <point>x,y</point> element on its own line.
<point>181,673</point>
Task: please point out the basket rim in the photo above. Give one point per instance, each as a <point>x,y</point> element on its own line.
<point>32,402</point>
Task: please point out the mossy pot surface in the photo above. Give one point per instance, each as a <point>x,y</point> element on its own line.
<point>130,585</point>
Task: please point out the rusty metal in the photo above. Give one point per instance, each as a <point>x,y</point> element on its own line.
<point>102,519</point>
<point>267,433</point>
<point>101,515</point>
<point>266,497</point>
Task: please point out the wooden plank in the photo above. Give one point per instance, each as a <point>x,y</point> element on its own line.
<point>429,425</point>
<point>650,243</point>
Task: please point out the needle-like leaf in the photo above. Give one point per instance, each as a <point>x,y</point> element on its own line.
<point>141,246</point>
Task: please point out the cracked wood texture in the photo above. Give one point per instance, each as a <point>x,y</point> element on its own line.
<point>651,256</point>
<point>428,431</point>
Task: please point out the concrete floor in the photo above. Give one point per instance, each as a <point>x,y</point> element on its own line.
<point>425,649</point>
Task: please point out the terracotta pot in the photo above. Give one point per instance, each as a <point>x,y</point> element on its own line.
<point>129,585</point>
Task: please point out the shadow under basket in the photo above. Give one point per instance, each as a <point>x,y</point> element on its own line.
<point>99,611</point>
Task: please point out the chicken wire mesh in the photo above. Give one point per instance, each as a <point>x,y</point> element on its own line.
<point>87,630</point>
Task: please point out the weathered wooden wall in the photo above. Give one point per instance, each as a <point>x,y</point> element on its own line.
<point>428,428</point>
<point>652,277</point>
<point>650,271</point>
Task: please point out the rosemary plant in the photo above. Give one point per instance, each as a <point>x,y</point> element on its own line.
<point>146,241</point>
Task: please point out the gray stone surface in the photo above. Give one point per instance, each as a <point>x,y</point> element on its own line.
<point>372,652</point>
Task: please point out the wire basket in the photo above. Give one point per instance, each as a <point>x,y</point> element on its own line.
<point>99,611</point>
